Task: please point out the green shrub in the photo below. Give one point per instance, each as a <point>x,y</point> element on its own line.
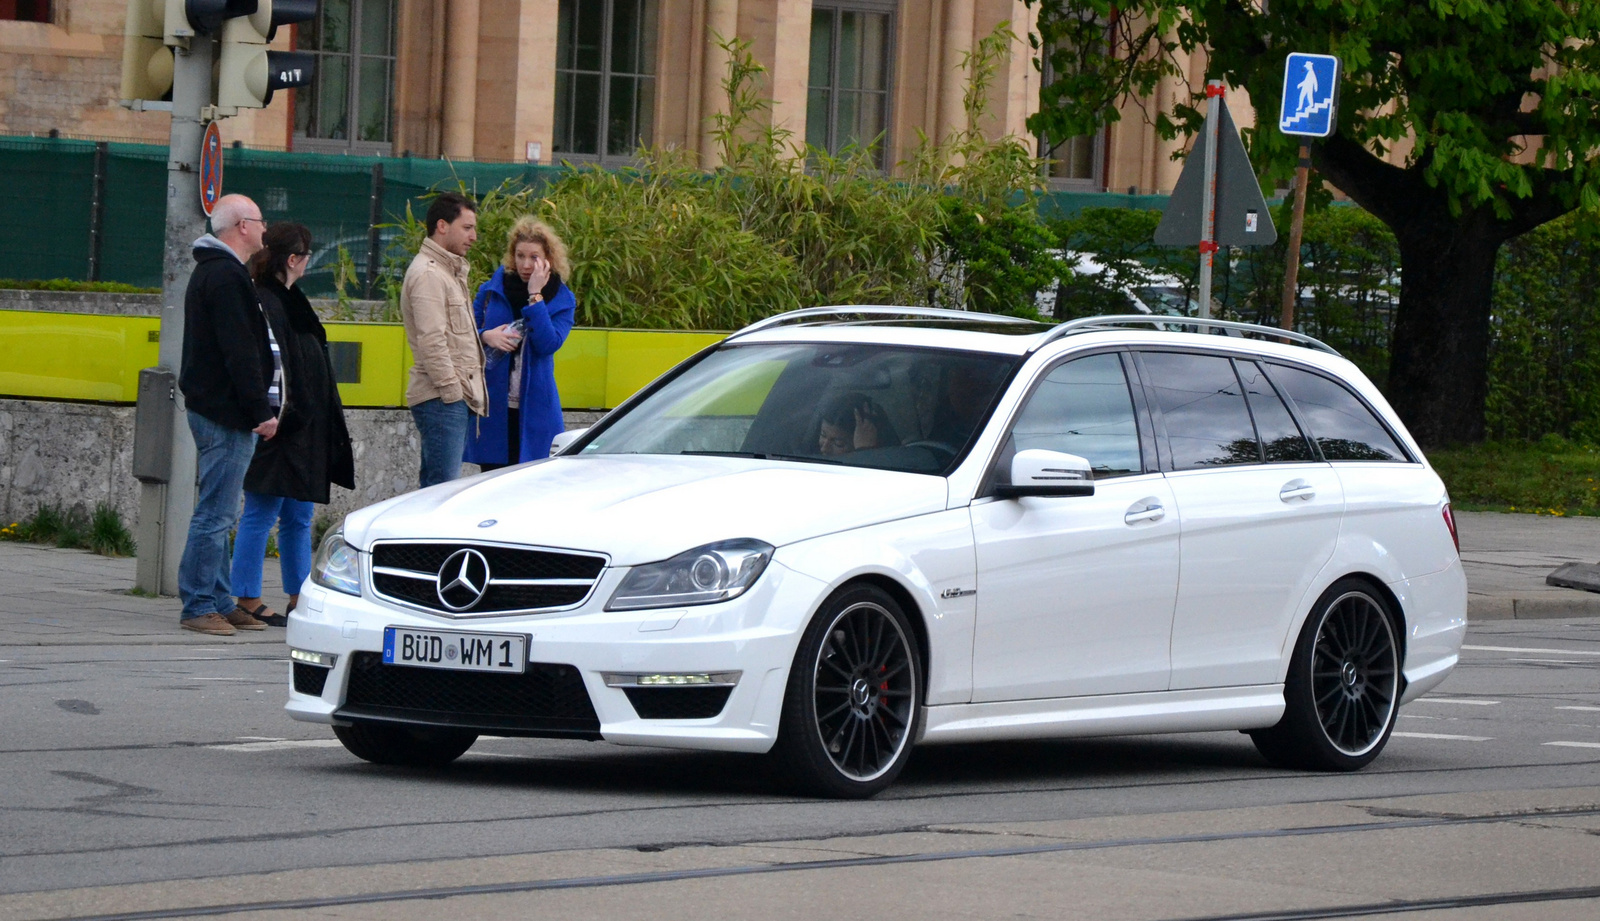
<point>108,536</point>
<point>67,284</point>
<point>102,532</point>
<point>1544,358</point>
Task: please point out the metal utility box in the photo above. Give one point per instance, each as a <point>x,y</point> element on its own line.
<point>152,425</point>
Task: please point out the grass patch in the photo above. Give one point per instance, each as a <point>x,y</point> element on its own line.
<point>67,284</point>
<point>102,532</point>
<point>1549,477</point>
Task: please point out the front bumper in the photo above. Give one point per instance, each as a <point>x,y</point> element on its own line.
<point>755,635</point>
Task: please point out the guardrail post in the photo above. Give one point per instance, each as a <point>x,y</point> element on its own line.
<point>374,235</point>
<point>97,208</point>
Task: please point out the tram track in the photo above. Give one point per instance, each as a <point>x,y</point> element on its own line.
<point>924,857</point>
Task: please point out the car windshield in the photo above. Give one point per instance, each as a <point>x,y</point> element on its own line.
<point>906,409</point>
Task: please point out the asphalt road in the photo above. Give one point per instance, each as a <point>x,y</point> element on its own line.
<point>139,778</point>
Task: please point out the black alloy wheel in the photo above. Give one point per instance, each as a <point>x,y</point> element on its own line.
<point>405,746</point>
<point>1342,693</point>
<point>850,713</point>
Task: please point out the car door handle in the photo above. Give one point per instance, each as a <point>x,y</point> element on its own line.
<point>1297,489</point>
<point>1145,510</point>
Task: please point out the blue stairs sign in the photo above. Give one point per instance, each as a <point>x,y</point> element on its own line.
<point>1310,95</point>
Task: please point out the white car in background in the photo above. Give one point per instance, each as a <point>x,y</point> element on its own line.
<point>842,532</point>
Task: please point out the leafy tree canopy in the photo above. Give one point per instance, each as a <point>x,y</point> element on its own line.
<point>1478,84</point>
<point>1489,110</point>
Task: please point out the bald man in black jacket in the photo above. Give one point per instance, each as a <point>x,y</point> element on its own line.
<point>233,386</point>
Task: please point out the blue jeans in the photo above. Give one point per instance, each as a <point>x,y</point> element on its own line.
<point>250,546</point>
<point>443,427</point>
<point>222,456</point>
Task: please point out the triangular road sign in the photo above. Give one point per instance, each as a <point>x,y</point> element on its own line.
<point>1242,215</point>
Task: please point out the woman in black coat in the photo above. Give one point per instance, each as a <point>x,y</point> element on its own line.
<point>291,472</point>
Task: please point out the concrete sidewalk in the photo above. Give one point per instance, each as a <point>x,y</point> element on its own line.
<point>51,597</point>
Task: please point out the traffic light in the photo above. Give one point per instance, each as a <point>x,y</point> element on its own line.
<point>146,59</point>
<point>207,16</point>
<point>249,73</point>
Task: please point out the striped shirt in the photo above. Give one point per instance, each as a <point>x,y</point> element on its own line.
<point>276,388</point>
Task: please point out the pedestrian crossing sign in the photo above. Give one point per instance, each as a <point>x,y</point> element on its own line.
<point>1310,95</point>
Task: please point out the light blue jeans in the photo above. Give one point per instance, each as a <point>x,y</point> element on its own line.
<point>250,545</point>
<point>443,427</point>
<point>222,456</point>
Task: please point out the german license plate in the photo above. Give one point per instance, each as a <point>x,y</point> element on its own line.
<point>472,652</point>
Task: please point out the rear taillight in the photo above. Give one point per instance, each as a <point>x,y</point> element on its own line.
<point>1450,522</point>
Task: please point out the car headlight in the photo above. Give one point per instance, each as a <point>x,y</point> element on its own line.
<point>337,565</point>
<point>704,575</point>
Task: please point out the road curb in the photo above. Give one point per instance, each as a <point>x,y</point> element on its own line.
<point>1554,605</point>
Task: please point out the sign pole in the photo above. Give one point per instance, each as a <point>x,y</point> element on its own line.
<point>1208,200</point>
<point>1291,269</point>
<point>165,508</point>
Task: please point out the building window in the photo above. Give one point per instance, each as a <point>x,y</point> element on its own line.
<point>605,78</point>
<point>348,105</point>
<point>847,100</point>
<point>1076,163</point>
<point>25,10</point>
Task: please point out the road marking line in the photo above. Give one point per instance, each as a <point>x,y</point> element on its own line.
<point>1440,735</point>
<point>1457,700</point>
<point>1555,652</point>
<point>1575,744</point>
<point>276,746</point>
<point>1584,709</point>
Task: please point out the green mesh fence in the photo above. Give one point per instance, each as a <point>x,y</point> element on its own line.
<point>46,204</point>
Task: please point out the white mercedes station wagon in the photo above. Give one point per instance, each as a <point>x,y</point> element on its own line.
<point>841,532</point>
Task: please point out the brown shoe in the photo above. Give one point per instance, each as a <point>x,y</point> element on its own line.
<point>243,620</point>
<point>214,624</point>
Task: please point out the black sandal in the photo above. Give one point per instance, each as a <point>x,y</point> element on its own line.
<point>266,615</point>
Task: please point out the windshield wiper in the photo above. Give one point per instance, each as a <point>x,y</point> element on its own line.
<point>728,454</point>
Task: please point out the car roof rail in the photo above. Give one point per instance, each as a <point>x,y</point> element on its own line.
<point>873,310</point>
<point>1119,321</point>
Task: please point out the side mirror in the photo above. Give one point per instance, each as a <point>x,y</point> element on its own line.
<point>560,442</point>
<point>1036,472</point>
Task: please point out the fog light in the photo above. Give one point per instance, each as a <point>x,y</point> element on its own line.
<point>324,659</point>
<point>672,680</point>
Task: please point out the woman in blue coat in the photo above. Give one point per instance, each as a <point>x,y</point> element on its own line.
<point>524,407</point>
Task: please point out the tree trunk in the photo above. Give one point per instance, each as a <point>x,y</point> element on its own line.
<point>1439,363</point>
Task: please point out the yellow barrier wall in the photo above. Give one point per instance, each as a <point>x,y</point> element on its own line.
<point>71,356</point>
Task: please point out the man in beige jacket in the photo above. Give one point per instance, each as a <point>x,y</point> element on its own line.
<point>446,386</point>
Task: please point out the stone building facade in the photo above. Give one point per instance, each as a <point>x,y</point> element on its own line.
<point>514,80</point>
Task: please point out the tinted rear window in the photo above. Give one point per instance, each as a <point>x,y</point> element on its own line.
<point>1203,407</point>
<point>1280,437</point>
<point>1342,426</point>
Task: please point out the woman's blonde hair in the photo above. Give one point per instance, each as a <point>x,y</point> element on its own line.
<point>529,229</point>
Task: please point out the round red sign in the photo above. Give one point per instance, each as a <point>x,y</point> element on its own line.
<point>210,167</point>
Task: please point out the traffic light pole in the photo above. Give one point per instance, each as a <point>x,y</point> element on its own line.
<point>165,508</point>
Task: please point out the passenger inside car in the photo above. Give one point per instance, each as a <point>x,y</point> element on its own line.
<point>852,421</point>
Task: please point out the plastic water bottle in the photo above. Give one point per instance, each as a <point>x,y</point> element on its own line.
<point>493,356</point>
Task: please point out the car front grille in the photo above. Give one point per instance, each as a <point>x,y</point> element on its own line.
<point>546,700</point>
<point>519,579</point>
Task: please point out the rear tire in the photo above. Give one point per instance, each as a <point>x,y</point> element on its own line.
<point>404,746</point>
<point>851,708</point>
<point>1342,693</point>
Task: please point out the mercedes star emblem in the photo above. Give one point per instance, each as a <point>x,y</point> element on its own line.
<point>463,579</point>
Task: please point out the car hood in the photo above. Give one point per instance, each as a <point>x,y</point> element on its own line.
<point>641,508</point>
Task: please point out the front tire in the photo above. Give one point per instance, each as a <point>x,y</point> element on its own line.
<point>404,746</point>
<point>1342,693</point>
<point>850,711</point>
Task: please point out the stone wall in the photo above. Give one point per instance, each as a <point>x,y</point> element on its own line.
<point>76,455</point>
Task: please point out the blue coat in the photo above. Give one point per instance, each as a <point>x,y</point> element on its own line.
<point>548,324</point>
